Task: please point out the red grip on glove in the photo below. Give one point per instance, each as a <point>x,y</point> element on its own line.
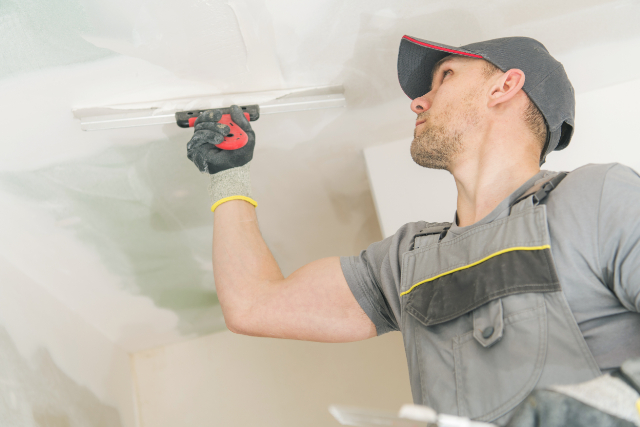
<point>237,138</point>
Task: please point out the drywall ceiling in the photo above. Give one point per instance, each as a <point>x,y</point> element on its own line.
<point>116,224</point>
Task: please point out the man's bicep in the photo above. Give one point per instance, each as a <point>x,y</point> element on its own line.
<point>314,303</point>
<point>374,277</point>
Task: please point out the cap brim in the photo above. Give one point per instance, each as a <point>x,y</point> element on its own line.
<point>417,58</point>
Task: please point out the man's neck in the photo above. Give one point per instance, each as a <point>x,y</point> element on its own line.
<point>483,183</point>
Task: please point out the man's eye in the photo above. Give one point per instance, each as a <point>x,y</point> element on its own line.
<point>445,74</point>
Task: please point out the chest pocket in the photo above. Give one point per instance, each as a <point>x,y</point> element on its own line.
<point>479,326</point>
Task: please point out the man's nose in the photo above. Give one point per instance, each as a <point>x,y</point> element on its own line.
<point>421,104</point>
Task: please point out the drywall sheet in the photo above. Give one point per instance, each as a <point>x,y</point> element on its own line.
<point>37,393</point>
<point>41,34</point>
<point>195,39</point>
<point>123,224</point>
<point>268,382</point>
<point>55,369</point>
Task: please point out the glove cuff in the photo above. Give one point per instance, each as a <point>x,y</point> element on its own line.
<point>231,184</point>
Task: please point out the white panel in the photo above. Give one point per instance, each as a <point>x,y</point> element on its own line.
<point>405,192</point>
<point>606,129</point>
<point>226,379</point>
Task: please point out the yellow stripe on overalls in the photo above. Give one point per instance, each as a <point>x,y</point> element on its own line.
<point>517,248</point>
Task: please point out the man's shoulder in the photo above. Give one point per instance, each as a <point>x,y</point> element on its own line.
<point>589,194</point>
<point>591,172</point>
<point>403,237</point>
<point>587,181</point>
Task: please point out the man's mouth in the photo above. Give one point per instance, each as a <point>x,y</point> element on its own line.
<point>419,122</point>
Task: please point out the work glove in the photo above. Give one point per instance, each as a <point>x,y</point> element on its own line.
<point>608,400</point>
<point>228,169</point>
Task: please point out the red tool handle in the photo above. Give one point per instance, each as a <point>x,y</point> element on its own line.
<point>236,138</point>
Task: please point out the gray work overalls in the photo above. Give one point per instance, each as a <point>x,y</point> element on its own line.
<point>484,318</point>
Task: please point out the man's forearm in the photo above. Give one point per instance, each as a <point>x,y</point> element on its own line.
<point>242,262</point>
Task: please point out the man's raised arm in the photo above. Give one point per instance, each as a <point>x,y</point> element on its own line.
<point>314,303</point>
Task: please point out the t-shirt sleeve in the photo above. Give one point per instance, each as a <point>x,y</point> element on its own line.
<point>619,234</point>
<point>374,277</point>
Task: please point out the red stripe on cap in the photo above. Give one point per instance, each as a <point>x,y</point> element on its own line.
<point>440,48</point>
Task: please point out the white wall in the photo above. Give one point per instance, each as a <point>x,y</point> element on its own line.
<point>232,380</point>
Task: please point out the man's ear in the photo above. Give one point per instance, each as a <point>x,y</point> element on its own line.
<point>506,87</point>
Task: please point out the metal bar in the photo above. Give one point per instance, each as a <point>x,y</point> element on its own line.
<point>124,121</point>
<point>106,118</point>
<point>303,103</point>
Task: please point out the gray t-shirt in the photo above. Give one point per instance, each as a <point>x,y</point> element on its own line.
<point>594,225</point>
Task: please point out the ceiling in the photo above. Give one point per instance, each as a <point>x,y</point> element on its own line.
<point>116,224</point>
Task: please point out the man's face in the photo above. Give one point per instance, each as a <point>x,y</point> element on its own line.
<point>448,113</point>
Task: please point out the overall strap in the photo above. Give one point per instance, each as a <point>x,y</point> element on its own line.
<point>538,192</point>
<point>433,232</point>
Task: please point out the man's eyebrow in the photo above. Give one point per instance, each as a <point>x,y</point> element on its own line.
<point>436,68</point>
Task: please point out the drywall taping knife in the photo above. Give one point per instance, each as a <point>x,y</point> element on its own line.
<point>236,138</point>
<point>164,111</point>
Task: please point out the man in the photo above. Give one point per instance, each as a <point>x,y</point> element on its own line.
<point>536,283</point>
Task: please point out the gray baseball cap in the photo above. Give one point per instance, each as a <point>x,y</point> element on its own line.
<point>546,83</point>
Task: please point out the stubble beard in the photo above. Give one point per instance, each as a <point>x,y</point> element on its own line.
<point>436,146</point>
<point>441,141</point>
